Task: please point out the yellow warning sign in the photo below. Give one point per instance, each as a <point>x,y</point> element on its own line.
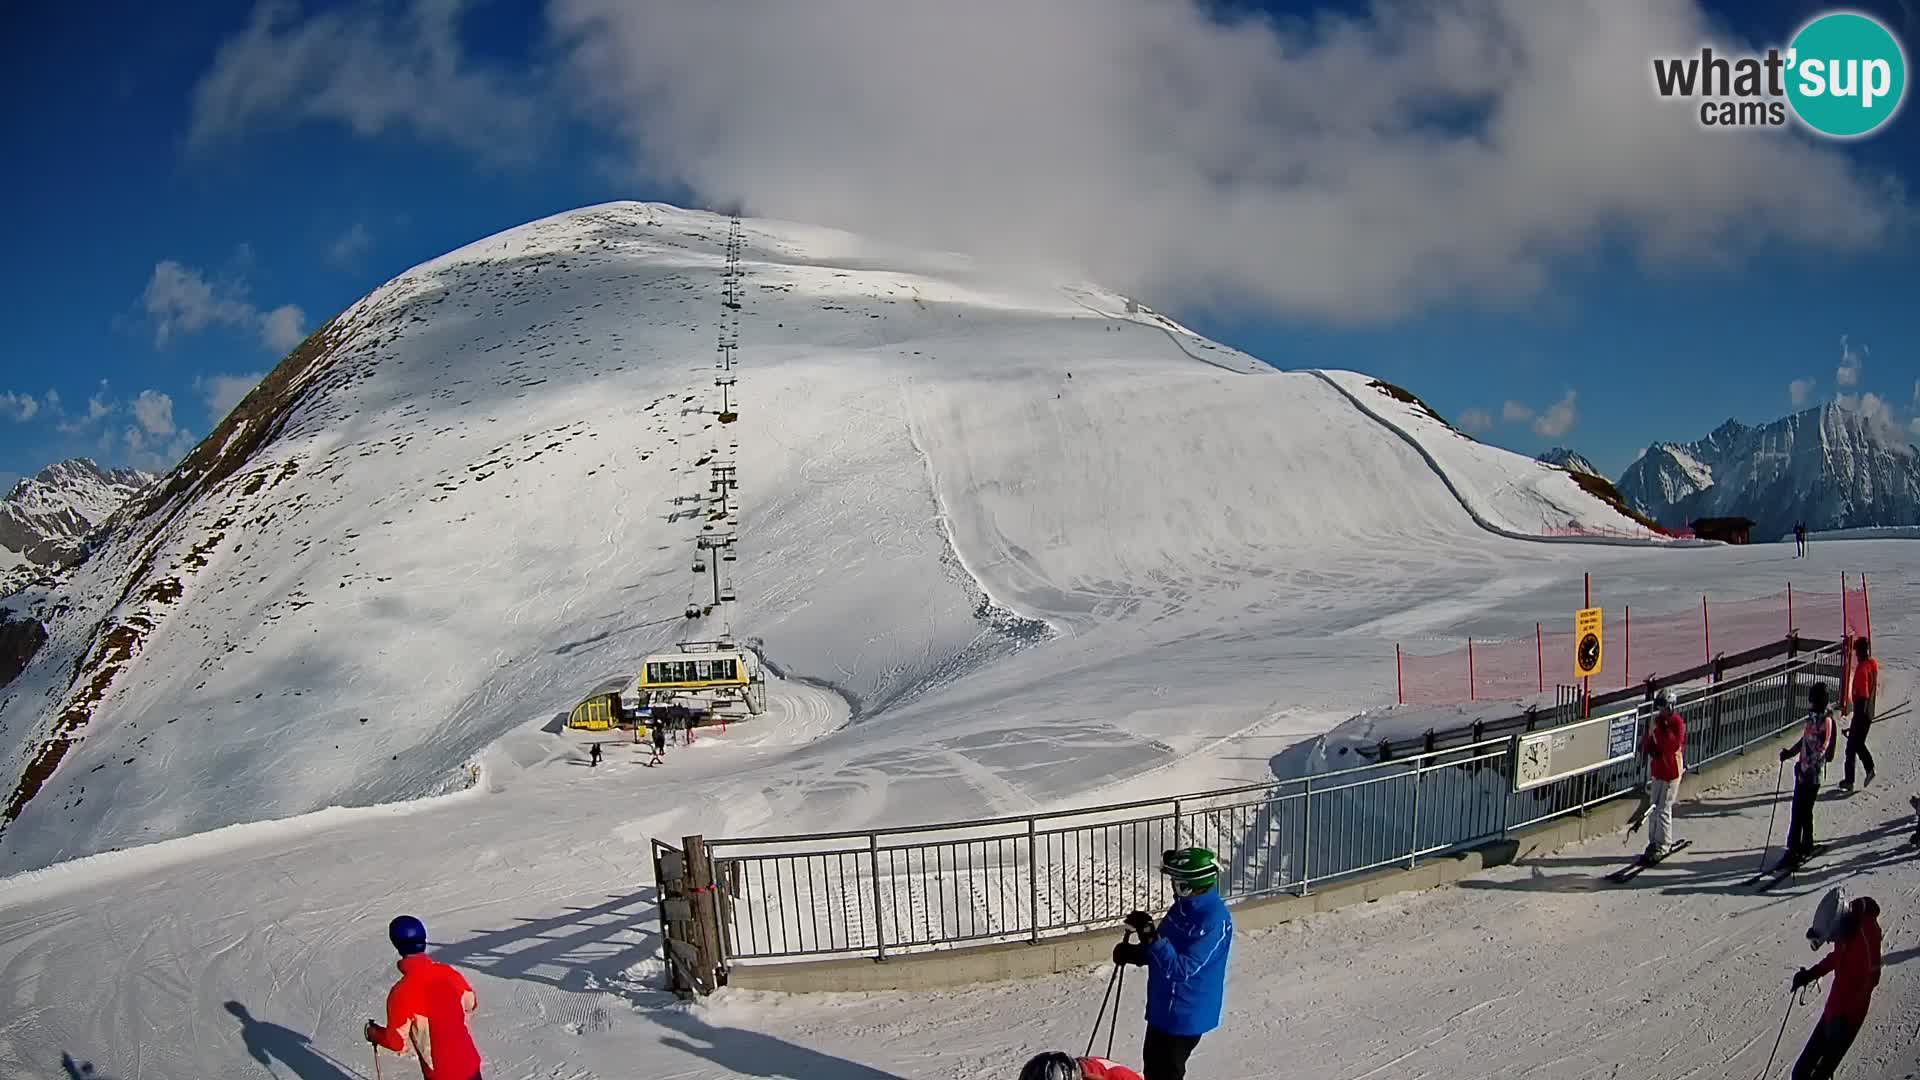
<point>1588,642</point>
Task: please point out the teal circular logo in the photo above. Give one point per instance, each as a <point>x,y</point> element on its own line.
<point>1848,74</point>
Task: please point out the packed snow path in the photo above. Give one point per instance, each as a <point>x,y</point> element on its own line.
<point>130,961</point>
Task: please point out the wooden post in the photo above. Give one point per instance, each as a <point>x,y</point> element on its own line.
<point>1866,606</point>
<point>1789,609</point>
<point>1627,675</point>
<point>1470,696</point>
<point>706,923</point>
<point>1706,628</point>
<point>1539,662</point>
<point>1399,676</point>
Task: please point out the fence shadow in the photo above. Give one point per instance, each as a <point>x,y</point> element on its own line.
<point>582,949</point>
<point>1718,873</point>
<point>750,1053</point>
<point>267,1043</point>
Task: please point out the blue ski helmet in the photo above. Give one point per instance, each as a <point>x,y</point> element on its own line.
<point>408,934</point>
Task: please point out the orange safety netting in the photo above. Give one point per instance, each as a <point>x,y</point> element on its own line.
<point>1638,645</point>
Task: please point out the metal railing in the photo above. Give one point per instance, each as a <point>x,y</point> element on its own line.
<point>885,891</point>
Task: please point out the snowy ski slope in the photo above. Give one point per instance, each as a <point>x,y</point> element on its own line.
<point>1026,591</point>
<point>257,951</point>
<point>462,526</point>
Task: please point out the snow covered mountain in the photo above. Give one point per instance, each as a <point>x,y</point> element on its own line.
<point>474,496</point>
<point>46,518</point>
<point>1830,466</point>
<point>1569,460</point>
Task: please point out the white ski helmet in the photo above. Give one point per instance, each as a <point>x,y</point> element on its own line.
<point>1829,918</point>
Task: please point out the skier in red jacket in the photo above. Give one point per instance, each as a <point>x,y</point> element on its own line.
<point>1056,1065</point>
<point>427,1009</point>
<point>1853,929</point>
<point>1665,747</point>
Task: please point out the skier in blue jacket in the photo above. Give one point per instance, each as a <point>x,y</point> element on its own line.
<point>1186,962</point>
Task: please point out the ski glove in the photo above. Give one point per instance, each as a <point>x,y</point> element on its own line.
<point>372,1032</point>
<point>1142,924</point>
<point>1802,978</point>
<point>1128,952</point>
<point>1787,754</point>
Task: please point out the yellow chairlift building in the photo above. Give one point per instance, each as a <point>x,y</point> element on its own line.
<point>715,679</point>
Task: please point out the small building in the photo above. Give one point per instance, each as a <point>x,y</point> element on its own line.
<point>1727,530</point>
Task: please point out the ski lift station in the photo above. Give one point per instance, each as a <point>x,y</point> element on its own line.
<point>710,679</point>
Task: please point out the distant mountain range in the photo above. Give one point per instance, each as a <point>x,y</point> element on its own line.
<point>46,519</point>
<point>1569,460</point>
<point>1831,467</point>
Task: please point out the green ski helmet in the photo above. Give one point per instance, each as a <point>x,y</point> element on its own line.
<point>1195,868</point>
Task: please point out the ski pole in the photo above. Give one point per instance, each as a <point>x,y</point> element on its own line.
<point>1119,995</point>
<point>376,1060</point>
<point>1776,1039</point>
<point>1125,935</point>
<point>1771,815</point>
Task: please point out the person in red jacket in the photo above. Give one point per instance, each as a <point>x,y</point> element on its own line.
<point>1865,688</point>
<point>427,1009</point>
<point>1056,1065</point>
<point>1853,929</point>
<point>1665,747</point>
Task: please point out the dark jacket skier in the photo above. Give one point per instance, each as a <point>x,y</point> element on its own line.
<point>1186,961</point>
<point>1814,750</point>
<point>1853,929</point>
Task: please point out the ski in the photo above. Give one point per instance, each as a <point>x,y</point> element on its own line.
<point>1785,868</point>
<point>1632,869</point>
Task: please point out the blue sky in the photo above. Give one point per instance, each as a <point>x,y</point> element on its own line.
<point>197,186</point>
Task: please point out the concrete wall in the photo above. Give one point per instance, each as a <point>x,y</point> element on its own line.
<point>1024,960</point>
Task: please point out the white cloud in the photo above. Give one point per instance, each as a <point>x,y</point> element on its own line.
<point>98,409</point>
<point>1475,420</point>
<point>1515,412</point>
<point>283,327</point>
<point>223,392</point>
<point>180,300</point>
<point>351,245</point>
<point>53,398</point>
<point>19,407</point>
<point>1336,166</point>
<point>1851,359</point>
<point>1557,419</point>
<point>371,67</point>
<point>1800,392</point>
<point>146,450</point>
<point>154,411</point>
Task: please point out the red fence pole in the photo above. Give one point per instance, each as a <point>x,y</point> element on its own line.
<point>1843,604</point>
<point>1399,676</point>
<point>1470,696</point>
<point>1866,605</point>
<point>1706,627</point>
<point>1539,660</point>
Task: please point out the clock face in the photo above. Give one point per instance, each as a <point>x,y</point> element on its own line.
<point>1589,653</point>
